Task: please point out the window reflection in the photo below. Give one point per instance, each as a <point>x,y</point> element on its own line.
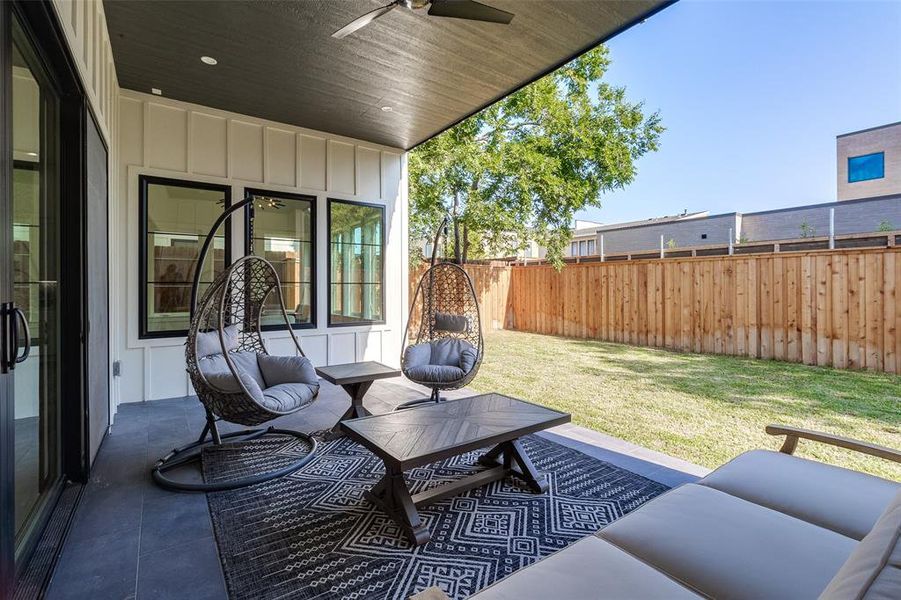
<point>283,226</point>
<point>178,216</point>
<point>356,294</point>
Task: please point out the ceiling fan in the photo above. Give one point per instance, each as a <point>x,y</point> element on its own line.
<point>458,9</point>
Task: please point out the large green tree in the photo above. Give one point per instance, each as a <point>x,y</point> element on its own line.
<point>521,168</point>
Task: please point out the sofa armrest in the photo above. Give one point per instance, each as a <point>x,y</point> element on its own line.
<point>793,434</point>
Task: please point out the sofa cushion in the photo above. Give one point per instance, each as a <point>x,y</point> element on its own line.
<point>287,397</point>
<point>842,500</point>
<point>590,568</point>
<point>726,547</point>
<point>208,342</point>
<point>435,374</point>
<point>287,369</point>
<point>447,352</point>
<point>873,572</point>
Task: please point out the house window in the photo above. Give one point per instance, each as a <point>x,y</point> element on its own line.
<point>590,247</point>
<point>175,219</point>
<point>582,248</point>
<point>866,167</point>
<point>355,263</point>
<point>282,231</point>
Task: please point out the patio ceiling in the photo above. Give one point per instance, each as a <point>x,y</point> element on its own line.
<point>278,61</point>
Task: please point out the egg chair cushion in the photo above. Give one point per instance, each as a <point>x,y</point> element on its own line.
<point>215,368</point>
<point>287,369</point>
<point>208,342</point>
<point>440,361</point>
<point>436,374</point>
<point>287,397</point>
<point>226,382</point>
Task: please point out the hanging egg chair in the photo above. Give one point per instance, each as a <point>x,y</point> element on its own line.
<point>233,374</point>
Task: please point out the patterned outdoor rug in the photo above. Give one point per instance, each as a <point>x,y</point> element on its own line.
<point>313,536</point>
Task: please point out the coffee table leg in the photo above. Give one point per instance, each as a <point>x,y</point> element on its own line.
<point>513,452</point>
<point>392,496</point>
<point>356,391</point>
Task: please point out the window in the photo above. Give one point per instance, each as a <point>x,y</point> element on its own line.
<point>590,247</point>
<point>582,248</point>
<point>574,249</point>
<point>866,167</point>
<point>283,232</point>
<point>175,219</point>
<point>356,270</point>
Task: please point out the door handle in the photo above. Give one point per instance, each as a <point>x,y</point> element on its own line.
<point>21,317</point>
<point>10,318</point>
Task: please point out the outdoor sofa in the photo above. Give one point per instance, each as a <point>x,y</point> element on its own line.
<point>766,525</point>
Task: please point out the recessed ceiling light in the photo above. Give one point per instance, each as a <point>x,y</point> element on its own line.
<point>208,60</point>
<point>387,109</point>
<point>156,91</point>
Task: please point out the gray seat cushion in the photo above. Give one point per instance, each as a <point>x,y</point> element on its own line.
<point>590,568</point>
<point>208,343</point>
<point>441,361</point>
<point>842,500</point>
<point>287,369</point>
<point>287,397</point>
<point>873,572</point>
<point>725,547</point>
<point>247,362</point>
<point>436,374</point>
<point>227,382</point>
<point>215,367</point>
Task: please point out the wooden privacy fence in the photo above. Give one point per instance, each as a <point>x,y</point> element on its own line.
<point>492,287</point>
<point>838,308</point>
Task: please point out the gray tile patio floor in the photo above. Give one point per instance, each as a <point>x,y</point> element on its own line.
<point>131,539</point>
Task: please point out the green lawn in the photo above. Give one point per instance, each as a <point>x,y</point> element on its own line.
<point>701,408</point>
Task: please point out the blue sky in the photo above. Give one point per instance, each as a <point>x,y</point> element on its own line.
<point>752,95</point>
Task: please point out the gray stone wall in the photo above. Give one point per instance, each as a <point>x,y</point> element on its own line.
<point>685,233</point>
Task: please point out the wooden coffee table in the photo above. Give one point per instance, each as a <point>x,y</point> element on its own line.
<point>355,379</point>
<point>426,434</point>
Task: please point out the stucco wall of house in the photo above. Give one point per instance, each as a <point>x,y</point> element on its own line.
<point>885,139</point>
<point>684,233</point>
<point>860,216</point>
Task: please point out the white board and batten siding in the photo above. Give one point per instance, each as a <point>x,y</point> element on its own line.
<point>166,138</point>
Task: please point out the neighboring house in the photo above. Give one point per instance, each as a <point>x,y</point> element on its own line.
<point>584,239</point>
<point>701,229</point>
<point>869,162</point>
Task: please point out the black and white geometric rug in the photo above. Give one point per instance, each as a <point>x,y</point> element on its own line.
<point>312,535</point>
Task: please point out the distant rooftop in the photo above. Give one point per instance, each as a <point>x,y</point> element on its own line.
<point>886,126</point>
<point>655,220</point>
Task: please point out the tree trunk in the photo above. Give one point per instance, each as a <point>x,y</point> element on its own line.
<point>465,242</point>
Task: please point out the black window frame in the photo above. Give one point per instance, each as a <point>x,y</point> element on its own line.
<point>248,249</point>
<point>144,181</point>
<point>882,176</point>
<point>328,240</point>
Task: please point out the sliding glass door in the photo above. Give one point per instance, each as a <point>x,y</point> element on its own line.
<point>30,303</point>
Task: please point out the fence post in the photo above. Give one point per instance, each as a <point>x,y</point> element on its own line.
<point>832,229</point>
<point>661,245</point>
<point>731,240</point>
<point>602,247</point>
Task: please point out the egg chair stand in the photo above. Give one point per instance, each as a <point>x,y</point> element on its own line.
<point>232,373</point>
<point>443,344</point>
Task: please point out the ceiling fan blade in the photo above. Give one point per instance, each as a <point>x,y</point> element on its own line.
<point>468,9</point>
<point>364,20</point>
